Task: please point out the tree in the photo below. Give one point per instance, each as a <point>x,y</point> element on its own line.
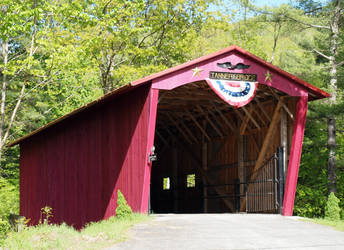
<point>125,40</point>
<point>18,31</point>
<point>332,26</point>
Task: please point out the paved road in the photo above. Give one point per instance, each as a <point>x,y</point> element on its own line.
<point>230,231</point>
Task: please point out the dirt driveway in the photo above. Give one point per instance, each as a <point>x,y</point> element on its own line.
<point>230,231</point>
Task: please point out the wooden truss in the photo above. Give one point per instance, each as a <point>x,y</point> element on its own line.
<point>194,115</point>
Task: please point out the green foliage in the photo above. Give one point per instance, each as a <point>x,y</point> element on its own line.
<point>309,202</point>
<point>96,235</point>
<point>332,210</point>
<point>9,197</point>
<point>123,210</point>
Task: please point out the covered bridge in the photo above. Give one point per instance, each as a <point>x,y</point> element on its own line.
<point>227,131</point>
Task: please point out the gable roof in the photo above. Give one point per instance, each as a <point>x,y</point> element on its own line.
<point>315,92</point>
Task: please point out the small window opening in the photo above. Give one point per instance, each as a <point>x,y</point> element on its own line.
<point>191,180</point>
<point>166,183</point>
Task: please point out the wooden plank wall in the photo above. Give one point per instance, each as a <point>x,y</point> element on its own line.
<point>77,166</point>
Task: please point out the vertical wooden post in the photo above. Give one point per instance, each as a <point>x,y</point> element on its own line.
<point>284,138</point>
<point>205,167</point>
<point>175,177</point>
<point>241,172</point>
<point>153,105</point>
<point>295,156</point>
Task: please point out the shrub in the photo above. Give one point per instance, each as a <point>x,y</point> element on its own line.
<point>332,209</point>
<point>123,210</point>
<point>310,202</point>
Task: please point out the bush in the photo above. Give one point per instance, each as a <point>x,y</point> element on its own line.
<point>123,210</point>
<point>310,202</point>
<point>332,209</point>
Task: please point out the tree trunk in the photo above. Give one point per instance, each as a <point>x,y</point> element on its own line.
<point>331,167</point>
<point>331,129</point>
<point>4,48</point>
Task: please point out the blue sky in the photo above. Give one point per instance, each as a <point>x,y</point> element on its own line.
<point>277,2</point>
<point>270,3</point>
<point>230,4</point>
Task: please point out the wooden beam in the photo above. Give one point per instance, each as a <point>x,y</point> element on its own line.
<point>178,128</point>
<point>161,137</point>
<point>241,117</point>
<point>161,96</point>
<point>241,171</point>
<point>188,131</point>
<point>210,121</point>
<point>197,124</point>
<point>205,168</point>
<point>190,98</point>
<point>268,137</point>
<point>216,152</point>
<point>175,178</point>
<point>284,138</point>
<point>263,110</point>
<point>260,117</point>
<point>220,167</point>
<point>251,117</point>
<point>218,122</point>
<point>283,104</point>
<point>239,114</point>
<point>255,144</point>
<point>265,146</point>
<point>244,124</point>
<point>224,118</point>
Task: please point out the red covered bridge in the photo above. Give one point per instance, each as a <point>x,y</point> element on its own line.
<point>216,123</point>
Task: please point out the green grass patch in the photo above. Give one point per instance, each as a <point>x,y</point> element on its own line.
<point>338,225</point>
<point>96,235</point>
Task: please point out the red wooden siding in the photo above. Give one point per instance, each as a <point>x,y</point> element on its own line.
<point>77,166</point>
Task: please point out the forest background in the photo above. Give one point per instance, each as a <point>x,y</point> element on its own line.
<point>57,55</point>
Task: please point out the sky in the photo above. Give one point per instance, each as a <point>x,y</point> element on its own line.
<point>277,2</point>
<point>230,4</point>
<point>270,2</point>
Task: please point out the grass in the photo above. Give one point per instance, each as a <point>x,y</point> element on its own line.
<point>338,225</point>
<point>96,235</point>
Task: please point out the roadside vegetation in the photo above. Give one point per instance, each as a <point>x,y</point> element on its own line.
<point>334,216</point>
<point>338,225</point>
<point>95,235</point>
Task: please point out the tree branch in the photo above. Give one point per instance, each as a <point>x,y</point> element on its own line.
<point>308,24</point>
<point>14,113</point>
<point>340,63</point>
<point>321,54</point>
